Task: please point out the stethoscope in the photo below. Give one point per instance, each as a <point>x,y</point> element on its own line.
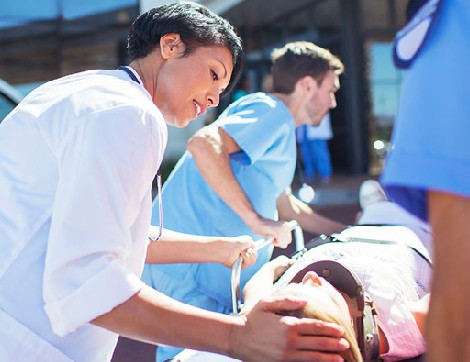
<point>159,172</point>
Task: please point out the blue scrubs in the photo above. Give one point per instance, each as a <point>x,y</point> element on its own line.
<point>430,144</point>
<point>264,129</point>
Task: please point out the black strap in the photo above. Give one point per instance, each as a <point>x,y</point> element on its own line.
<point>335,238</point>
<point>130,73</point>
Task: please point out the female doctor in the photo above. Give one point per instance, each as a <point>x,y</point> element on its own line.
<point>77,160</point>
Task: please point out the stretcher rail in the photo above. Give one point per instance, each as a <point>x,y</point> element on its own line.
<point>236,294</point>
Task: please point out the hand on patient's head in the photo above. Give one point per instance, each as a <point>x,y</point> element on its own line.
<point>286,336</point>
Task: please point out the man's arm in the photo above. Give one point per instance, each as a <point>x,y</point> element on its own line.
<point>261,335</point>
<point>447,326</point>
<point>211,147</point>
<point>175,247</point>
<point>420,311</point>
<point>291,208</point>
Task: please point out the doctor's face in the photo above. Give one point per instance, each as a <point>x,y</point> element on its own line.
<point>188,86</point>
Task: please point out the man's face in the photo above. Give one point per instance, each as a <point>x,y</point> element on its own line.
<point>321,99</point>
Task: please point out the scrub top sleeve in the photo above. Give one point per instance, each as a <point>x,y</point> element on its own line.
<point>256,126</point>
<point>106,167</point>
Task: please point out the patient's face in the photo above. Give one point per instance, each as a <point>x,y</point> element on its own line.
<point>319,293</point>
<point>326,303</point>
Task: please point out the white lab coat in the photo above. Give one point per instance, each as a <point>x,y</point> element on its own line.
<point>77,160</point>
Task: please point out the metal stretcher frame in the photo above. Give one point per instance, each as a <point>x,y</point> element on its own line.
<point>237,303</point>
<point>189,355</point>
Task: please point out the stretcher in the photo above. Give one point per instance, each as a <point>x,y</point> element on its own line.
<point>339,276</point>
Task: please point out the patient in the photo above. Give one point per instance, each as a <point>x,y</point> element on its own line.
<point>392,263</point>
<point>324,301</point>
<point>400,303</point>
<point>389,255</point>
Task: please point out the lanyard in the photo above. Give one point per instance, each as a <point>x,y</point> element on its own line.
<point>131,75</point>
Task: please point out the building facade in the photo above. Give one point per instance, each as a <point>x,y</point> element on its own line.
<point>71,37</point>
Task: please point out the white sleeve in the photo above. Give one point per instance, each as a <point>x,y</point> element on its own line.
<point>105,169</point>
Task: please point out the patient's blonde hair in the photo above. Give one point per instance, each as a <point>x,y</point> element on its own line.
<point>333,315</point>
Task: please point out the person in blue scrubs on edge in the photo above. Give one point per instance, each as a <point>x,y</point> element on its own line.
<point>428,168</point>
<point>233,178</point>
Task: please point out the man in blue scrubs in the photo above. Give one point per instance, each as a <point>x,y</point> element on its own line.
<point>234,176</point>
<point>428,169</point>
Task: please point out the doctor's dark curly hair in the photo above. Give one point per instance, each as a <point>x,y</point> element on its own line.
<point>197,27</point>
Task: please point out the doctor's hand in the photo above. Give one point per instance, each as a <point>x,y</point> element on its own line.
<point>230,249</point>
<point>265,336</point>
<point>280,231</point>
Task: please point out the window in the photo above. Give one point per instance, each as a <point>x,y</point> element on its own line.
<point>385,85</point>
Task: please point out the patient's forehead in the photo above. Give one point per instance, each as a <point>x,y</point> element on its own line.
<point>290,273</point>
<point>307,290</point>
<point>325,297</point>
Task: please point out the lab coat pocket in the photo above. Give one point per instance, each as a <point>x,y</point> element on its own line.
<point>18,343</point>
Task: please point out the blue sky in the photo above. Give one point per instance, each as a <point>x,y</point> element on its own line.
<point>24,11</point>
<point>385,79</point>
